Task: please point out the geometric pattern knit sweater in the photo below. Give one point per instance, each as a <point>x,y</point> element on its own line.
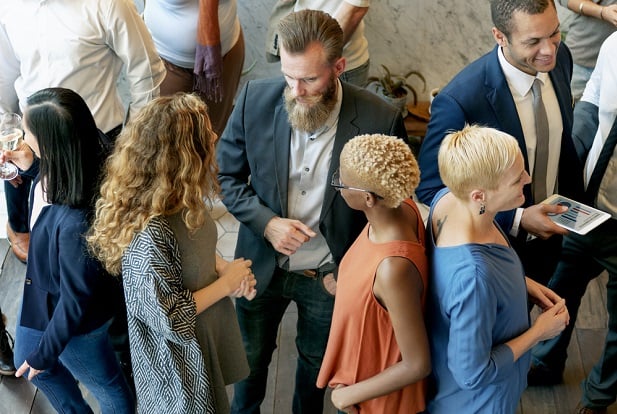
<point>168,365</point>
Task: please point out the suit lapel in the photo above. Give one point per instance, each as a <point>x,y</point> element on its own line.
<point>345,130</point>
<point>564,96</point>
<point>282,137</point>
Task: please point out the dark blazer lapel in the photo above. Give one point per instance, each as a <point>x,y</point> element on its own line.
<point>560,84</point>
<point>345,130</point>
<point>282,137</point>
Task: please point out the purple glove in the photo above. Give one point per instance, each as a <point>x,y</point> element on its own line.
<point>208,71</point>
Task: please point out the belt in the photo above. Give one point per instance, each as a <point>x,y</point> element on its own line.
<point>315,273</point>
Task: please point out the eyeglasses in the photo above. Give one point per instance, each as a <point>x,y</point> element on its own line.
<point>338,185</point>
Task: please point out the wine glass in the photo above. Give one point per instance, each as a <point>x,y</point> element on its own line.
<point>10,134</point>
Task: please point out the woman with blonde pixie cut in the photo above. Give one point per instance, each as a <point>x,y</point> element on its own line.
<point>378,353</point>
<point>152,227</point>
<point>477,306</point>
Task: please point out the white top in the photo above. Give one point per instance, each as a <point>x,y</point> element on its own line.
<point>310,155</point>
<point>80,45</point>
<point>173,24</point>
<point>356,50</point>
<point>601,91</point>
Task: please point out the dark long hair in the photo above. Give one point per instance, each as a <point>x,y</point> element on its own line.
<point>70,150</point>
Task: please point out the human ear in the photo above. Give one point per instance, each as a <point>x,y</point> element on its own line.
<point>500,37</point>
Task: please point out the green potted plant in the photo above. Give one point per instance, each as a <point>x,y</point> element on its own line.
<point>395,88</point>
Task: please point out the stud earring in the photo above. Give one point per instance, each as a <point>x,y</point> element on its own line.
<point>482,209</point>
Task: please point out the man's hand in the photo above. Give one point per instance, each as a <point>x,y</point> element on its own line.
<point>536,222</point>
<point>287,235</point>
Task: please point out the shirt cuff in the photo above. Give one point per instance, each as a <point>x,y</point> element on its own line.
<point>516,222</point>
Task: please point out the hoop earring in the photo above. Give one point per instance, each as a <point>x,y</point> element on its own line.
<point>482,209</point>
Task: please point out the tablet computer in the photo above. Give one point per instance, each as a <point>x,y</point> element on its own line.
<point>579,218</point>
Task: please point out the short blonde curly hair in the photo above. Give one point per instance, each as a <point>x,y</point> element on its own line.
<point>383,165</point>
<point>163,162</point>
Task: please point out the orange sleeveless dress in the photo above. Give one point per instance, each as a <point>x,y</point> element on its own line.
<point>362,342</point>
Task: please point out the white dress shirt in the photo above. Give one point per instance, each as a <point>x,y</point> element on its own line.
<point>310,155</point>
<point>601,90</point>
<point>79,45</point>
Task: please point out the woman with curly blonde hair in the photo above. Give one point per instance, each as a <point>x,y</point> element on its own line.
<point>378,352</point>
<point>152,227</point>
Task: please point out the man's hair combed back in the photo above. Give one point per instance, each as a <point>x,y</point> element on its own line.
<point>382,164</point>
<point>475,157</point>
<point>163,163</point>
<point>502,11</point>
<point>299,29</point>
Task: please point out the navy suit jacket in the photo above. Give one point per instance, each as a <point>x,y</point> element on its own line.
<point>66,291</point>
<point>253,159</point>
<point>479,94</point>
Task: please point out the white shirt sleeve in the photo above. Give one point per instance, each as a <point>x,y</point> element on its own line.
<point>131,41</point>
<point>9,71</point>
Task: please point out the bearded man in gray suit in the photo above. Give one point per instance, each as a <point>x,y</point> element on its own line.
<point>276,157</point>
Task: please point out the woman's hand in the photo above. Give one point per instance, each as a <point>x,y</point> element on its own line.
<point>23,156</point>
<point>246,289</point>
<point>24,367</point>
<point>338,400</point>
<point>238,277</point>
<point>540,295</point>
<point>552,321</point>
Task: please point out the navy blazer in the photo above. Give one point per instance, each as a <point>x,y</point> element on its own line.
<point>253,159</point>
<point>479,94</point>
<point>66,292</point>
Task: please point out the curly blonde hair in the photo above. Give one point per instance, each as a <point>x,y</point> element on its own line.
<point>383,165</point>
<point>163,162</point>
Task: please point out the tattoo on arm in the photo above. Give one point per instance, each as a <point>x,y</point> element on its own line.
<point>440,223</point>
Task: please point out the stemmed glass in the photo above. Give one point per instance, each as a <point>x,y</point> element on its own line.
<point>10,134</point>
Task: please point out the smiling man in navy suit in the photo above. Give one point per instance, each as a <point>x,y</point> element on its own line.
<point>496,91</point>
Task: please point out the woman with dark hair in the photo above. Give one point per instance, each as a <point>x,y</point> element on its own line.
<point>62,337</point>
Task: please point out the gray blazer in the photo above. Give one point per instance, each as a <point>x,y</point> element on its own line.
<point>253,158</point>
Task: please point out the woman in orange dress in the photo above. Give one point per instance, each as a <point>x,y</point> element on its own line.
<point>378,352</point>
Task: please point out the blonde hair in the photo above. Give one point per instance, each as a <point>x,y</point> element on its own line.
<point>163,162</point>
<point>383,165</point>
<point>475,157</point>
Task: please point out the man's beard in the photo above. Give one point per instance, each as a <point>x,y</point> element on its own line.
<point>310,117</point>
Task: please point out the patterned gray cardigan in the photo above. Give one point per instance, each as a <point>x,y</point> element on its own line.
<point>168,364</point>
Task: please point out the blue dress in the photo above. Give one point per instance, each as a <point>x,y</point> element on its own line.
<point>477,302</point>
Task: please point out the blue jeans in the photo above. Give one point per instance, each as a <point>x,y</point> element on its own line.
<point>87,358</point>
<point>259,321</point>
<point>357,76</point>
<point>583,259</point>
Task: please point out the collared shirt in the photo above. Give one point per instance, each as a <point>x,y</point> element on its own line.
<point>520,84</point>
<point>310,154</point>
<point>80,45</point>
<point>601,91</point>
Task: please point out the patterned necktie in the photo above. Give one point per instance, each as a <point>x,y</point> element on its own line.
<point>541,160</point>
